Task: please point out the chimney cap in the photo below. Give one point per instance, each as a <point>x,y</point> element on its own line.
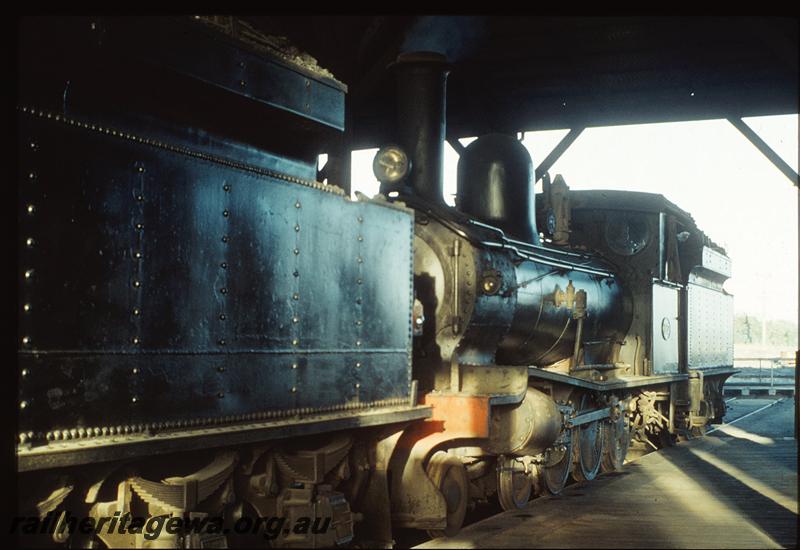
<point>417,57</point>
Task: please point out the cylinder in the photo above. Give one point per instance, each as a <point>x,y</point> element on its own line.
<point>421,104</point>
<point>527,428</point>
<point>495,185</point>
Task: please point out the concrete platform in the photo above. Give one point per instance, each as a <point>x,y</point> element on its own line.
<point>734,488</point>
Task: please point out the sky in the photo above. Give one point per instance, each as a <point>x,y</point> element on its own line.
<point>708,168</point>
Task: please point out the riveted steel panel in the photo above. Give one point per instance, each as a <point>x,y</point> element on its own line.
<point>710,327</point>
<point>168,288</point>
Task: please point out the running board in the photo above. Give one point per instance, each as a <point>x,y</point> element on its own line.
<point>102,449</point>
<point>615,384</point>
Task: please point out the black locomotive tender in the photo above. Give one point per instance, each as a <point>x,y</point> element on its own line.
<point>205,328</point>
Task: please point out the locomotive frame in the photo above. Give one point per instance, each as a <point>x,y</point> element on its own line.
<point>227,336</point>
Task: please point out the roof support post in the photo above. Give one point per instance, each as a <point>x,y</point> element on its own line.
<point>765,149</point>
<point>456,145</point>
<point>557,151</point>
<point>338,169</point>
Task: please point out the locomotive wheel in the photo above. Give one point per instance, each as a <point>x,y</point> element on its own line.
<point>588,448</point>
<point>513,484</point>
<point>555,476</point>
<point>450,477</point>
<point>588,451</point>
<point>617,441</point>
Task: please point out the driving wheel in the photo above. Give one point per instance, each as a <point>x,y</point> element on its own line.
<point>589,446</point>
<point>617,441</point>
<point>513,483</point>
<point>559,461</point>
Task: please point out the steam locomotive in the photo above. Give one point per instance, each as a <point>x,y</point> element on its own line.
<point>206,330</point>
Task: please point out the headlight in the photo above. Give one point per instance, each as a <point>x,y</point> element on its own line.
<point>391,164</point>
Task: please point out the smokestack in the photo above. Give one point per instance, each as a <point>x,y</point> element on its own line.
<point>421,91</point>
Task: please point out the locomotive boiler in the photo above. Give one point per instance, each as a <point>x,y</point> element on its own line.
<point>208,331</point>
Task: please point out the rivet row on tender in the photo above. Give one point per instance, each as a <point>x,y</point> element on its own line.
<point>150,428</point>
<point>185,151</point>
